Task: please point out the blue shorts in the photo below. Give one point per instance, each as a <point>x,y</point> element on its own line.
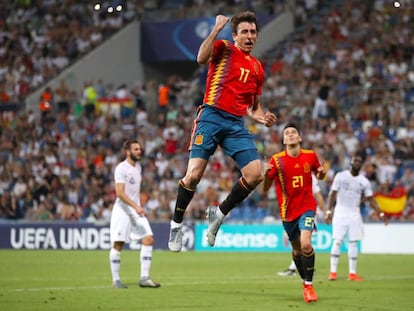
<point>305,222</point>
<point>213,127</point>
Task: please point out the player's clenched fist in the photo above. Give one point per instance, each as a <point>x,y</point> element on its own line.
<point>269,119</point>
<point>221,21</point>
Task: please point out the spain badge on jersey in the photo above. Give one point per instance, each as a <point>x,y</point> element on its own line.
<point>256,68</point>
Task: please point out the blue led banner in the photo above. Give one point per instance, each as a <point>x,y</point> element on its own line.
<point>82,236</point>
<point>261,238</point>
<point>179,40</point>
<point>176,40</point>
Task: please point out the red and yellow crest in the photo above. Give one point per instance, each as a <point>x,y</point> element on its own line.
<point>199,139</point>
<point>256,68</point>
<point>306,167</point>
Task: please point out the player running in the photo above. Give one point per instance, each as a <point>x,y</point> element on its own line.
<point>292,171</point>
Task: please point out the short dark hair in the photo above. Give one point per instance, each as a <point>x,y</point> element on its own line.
<point>246,16</point>
<point>291,124</point>
<point>128,143</point>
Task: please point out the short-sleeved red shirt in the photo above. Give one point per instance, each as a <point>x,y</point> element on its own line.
<point>293,182</point>
<point>234,78</point>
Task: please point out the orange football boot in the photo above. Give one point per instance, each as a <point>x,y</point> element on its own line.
<point>332,276</point>
<point>354,277</point>
<point>309,294</point>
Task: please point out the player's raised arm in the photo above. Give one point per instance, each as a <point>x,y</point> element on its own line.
<point>206,47</point>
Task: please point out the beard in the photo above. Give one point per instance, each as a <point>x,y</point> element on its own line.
<point>135,159</point>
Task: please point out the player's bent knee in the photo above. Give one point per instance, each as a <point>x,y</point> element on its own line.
<point>118,245</point>
<point>259,179</point>
<point>148,240</point>
<point>192,178</point>
<point>307,248</point>
<point>253,177</point>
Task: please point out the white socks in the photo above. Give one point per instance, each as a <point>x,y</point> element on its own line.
<point>115,262</point>
<point>146,257</point>
<point>353,256</point>
<point>335,252</point>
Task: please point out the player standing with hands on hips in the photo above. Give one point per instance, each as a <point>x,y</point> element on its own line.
<point>292,171</point>
<point>128,219</point>
<point>233,86</point>
<point>349,187</point>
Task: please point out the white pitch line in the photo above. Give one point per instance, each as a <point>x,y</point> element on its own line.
<point>256,280</point>
<point>66,288</point>
<point>39,289</point>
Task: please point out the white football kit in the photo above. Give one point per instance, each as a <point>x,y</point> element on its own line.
<point>347,214</point>
<point>126,224</point>
<point>315,185</point>
<point>315,189</point>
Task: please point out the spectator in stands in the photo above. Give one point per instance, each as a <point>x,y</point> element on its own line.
<point>163,102</point>
<point>8,206</point>
<point>62,97</point>
<point>46,104</point>
<point>89,99</point>
<point>320,108</point>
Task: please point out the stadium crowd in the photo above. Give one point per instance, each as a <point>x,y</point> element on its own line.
<point>344,77</point>
<point>39,38</point>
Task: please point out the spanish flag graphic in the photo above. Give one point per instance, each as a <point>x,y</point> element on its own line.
<point>393,203</point>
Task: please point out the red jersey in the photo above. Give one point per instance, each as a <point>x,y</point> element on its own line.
<point>293,182</point>
<point>234,78</point>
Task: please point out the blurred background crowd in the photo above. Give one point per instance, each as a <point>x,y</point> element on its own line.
<point>346,76</point>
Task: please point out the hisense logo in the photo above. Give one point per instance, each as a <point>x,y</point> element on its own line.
<point>244,240</point>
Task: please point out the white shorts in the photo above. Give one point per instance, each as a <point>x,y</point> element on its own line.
<point>128,226</point>
<point>353,226</point>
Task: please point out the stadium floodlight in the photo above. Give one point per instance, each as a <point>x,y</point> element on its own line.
<point>116,6</point>
<point>119,5</point>
<point>110,5</point>
<point>97,5</point>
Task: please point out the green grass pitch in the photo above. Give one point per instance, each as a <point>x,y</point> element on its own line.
<point>80,280</point>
